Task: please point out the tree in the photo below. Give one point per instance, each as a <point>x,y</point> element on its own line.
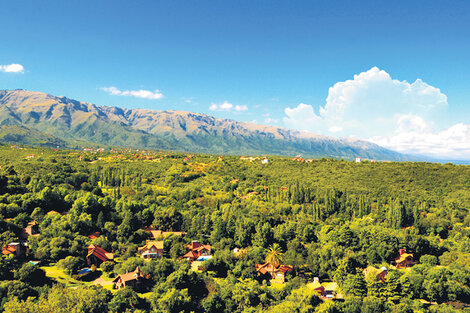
<point>124,299</point>
<point>168,219</point>
<point>372,305</point>
<point>354,285</point>
<point>6,269</point>
<point>173,300</point>
<point>430,260</point>
<point>213,304</point>
<point>31,274</point>
<point>274,255</point>
<point>263,236</point>
<point>60,299</point>
<point>71,264</point>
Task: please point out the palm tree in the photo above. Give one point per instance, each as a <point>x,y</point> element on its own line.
<point>274,255</point>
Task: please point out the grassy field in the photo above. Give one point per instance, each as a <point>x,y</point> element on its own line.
<point>53,272</point>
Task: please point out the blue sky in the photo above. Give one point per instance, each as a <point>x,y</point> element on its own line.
<point>290,63</point>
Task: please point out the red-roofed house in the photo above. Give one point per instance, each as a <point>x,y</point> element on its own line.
<point>95,235</point>
<point>132,279</point>
<point>276,272</point>
<point>97,255</point>
<point>197,250</point>
<point>17,249</point>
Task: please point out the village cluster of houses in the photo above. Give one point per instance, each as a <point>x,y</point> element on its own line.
<point>264,160</point>
<point>20,249</point>
<point>153,249</point>
<point>196,254</point>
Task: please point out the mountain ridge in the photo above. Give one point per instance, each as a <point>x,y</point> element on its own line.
<point>70,119</point>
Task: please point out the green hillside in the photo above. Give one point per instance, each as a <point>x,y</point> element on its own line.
<point>15,134</point>
<point>335,221</point>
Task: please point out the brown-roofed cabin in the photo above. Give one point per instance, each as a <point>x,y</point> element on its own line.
<point>97,255</point>
<point>151,250</point>
<point>377,274</point>
<point>131,279</point>
<point>404,260</point>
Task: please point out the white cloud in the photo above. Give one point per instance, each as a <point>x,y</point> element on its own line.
<point>396,114</point>
<point>240,108</point>
<point>368,104</point>
<point>451,143</point>
<point>335,129</point>
<point>12,68</point>
<point>271,120</point>
<point>302,117</point>
<point>227,106</point>
<point>145,94</point>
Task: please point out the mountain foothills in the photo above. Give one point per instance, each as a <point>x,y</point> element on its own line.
<point>140,231</point>
<point>62,119</point>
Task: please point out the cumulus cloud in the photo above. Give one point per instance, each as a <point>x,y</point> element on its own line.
<point>302,117</point>
<point>393,113</point>
<point>227,106</point>
<point>12,68</point>
<point>451,143</point>
<point>145,94</point>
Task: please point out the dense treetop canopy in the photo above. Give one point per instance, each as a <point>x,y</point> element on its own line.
<point>326,218</point>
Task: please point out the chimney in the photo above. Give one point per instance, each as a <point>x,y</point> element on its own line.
<point>316,280</point>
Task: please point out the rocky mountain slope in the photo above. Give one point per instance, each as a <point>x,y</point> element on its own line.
<point>72,120</point>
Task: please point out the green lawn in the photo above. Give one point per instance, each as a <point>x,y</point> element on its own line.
<point>53,272</point>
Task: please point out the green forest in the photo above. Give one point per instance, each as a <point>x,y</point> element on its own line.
<point>231,233</point>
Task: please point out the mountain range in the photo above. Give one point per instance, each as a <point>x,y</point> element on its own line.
<point>29,117</point>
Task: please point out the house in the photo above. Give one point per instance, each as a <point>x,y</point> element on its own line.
<point>330,291</point>
<point>97,255</point>
<point>317,286</point>
<point>277,273</point>
<point>17,249</point>
<point>132,280</point>
<point>376,273</point>
<point>151,250</point>
<point>198,251</point>
<point>358,160</point>
<point>265,161</point>
<point>95,235</point>
<point>404,259</point>
<point>32,229</point>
